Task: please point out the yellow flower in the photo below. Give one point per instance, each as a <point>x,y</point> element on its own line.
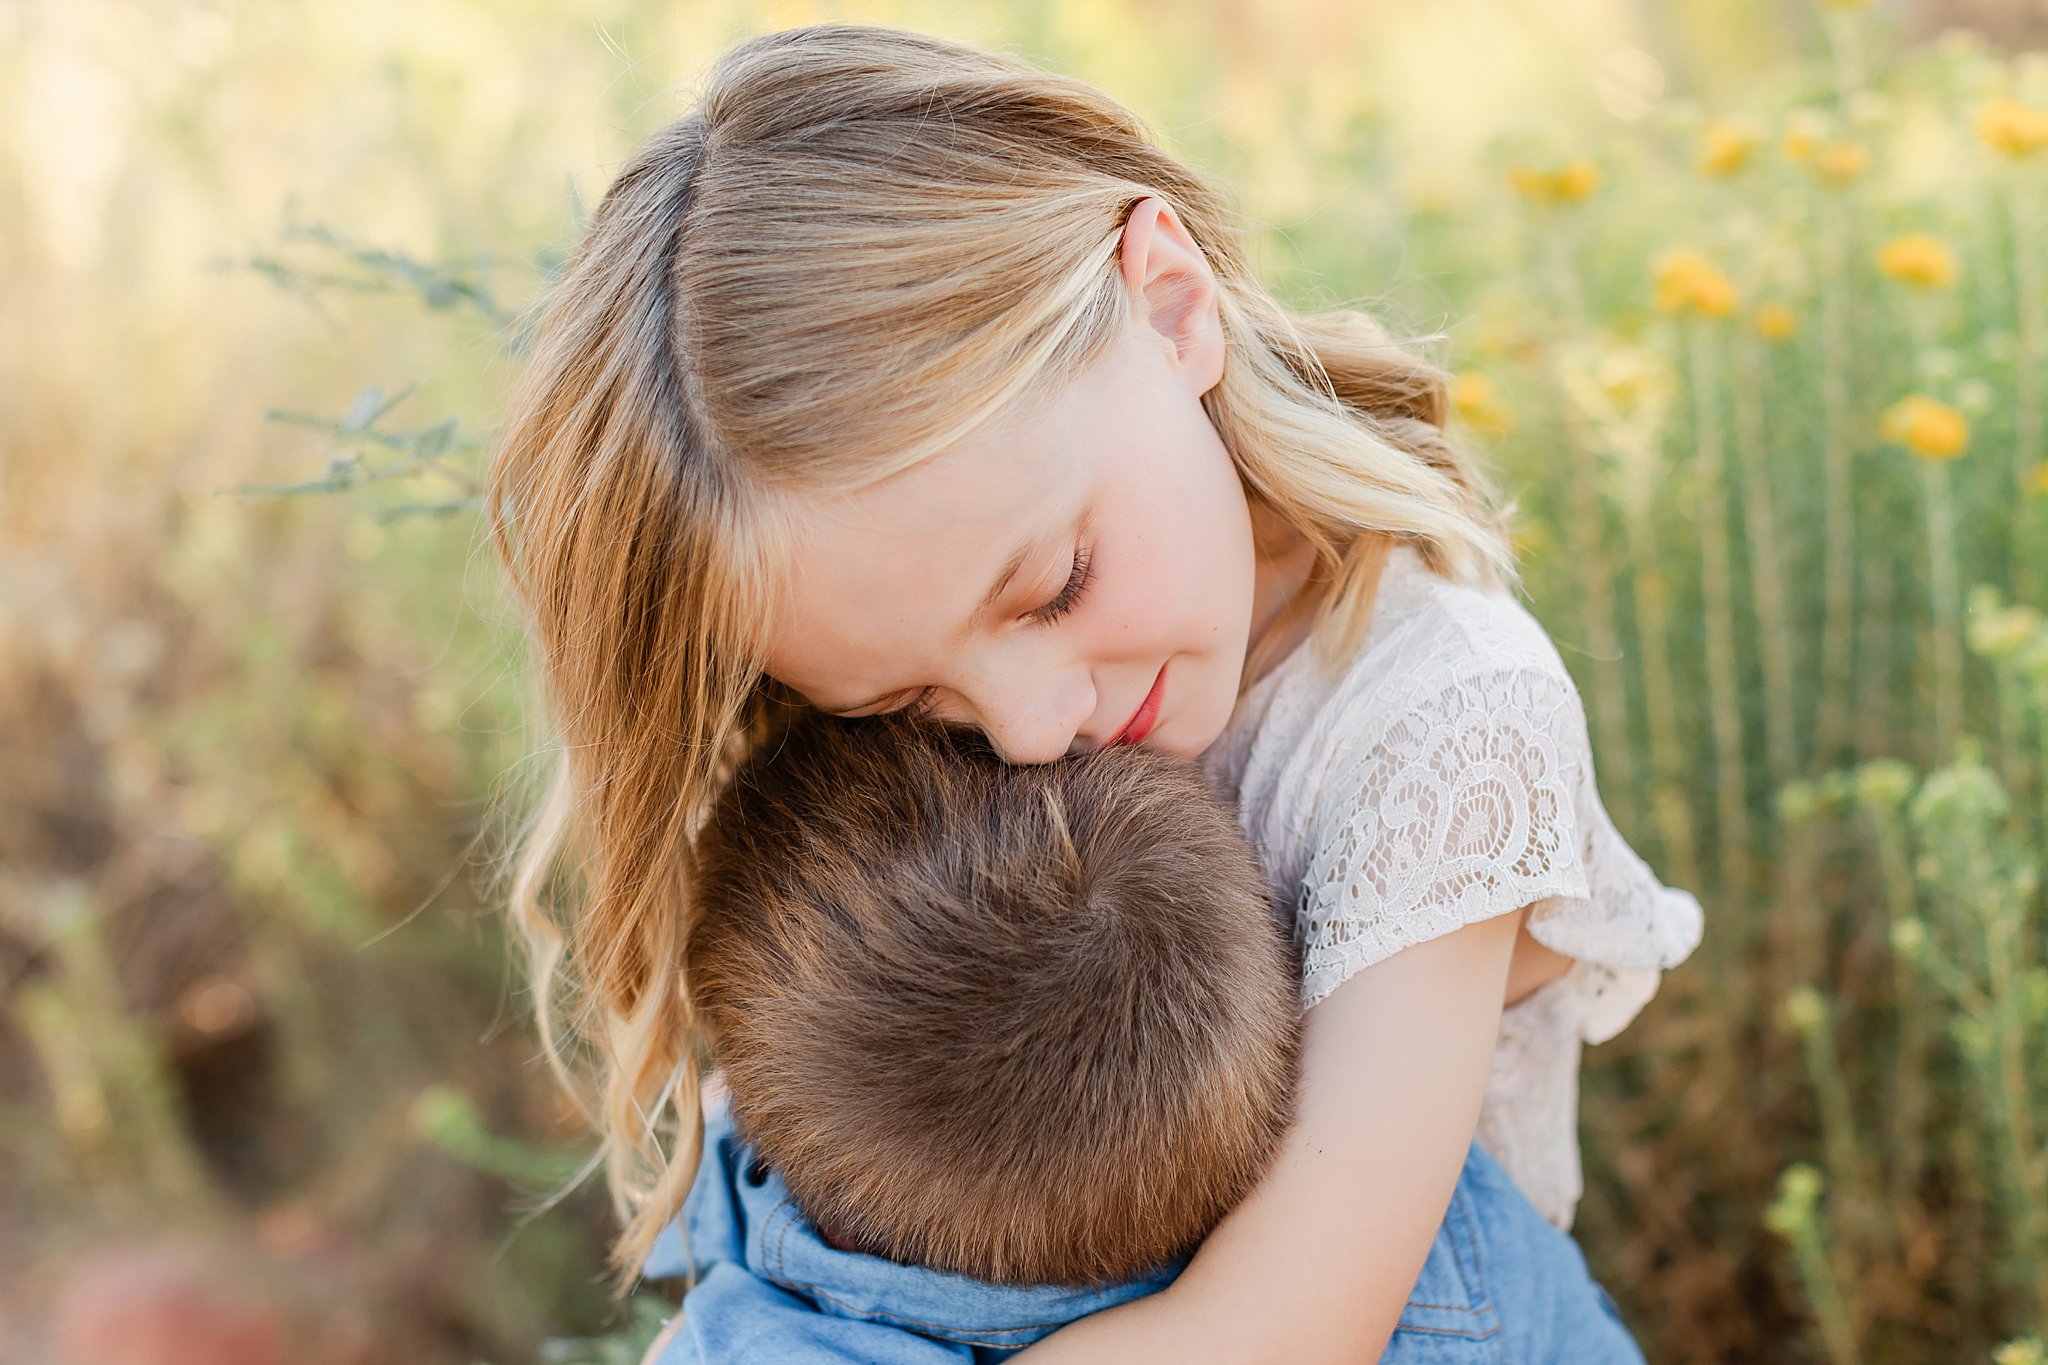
<point>1502,332</point>
<point>1625,376</point>
<point>1917,258</point>
<point>1724,148</point>
<point>1931,430</point>
<point>1841,162</point>
<point>1477,400</point>
<point>1564,184</point>
<point>1804,132</point>
<point>1776,322</point>
<point>2038,480</point>
<point>1621,381</point>
<point>1810,142</point>
<point>2006,125</point>
<point>1686,280</point>
<point>1578,178</point>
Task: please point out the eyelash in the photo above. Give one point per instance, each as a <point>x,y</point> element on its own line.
<point>1071,595</point>
<point>1069,598</point>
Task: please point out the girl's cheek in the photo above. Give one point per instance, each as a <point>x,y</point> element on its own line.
<point>1143,594</point>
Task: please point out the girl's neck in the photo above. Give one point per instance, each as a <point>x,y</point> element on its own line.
<point>1286,592</point>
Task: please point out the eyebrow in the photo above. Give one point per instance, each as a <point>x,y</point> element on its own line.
<point>1017,561</point>
<point>1009,571</point>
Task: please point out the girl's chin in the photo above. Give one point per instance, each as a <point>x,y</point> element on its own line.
<point>1187,726</point>
<point>1170,737</point>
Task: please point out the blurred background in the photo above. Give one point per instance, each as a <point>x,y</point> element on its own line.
<point>1746,299</point>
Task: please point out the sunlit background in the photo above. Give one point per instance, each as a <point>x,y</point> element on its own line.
<point>1747,300</point>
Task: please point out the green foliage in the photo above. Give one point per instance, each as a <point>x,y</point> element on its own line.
<point>1780,487</point>
<point>645,1313</point>
<point>1687,352</point>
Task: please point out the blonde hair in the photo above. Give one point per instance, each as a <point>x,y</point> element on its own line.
<point>858,246</point>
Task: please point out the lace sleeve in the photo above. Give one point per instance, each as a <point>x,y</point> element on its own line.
<point>1456,807</point>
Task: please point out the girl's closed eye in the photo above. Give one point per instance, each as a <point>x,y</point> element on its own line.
<point>1070,597</point>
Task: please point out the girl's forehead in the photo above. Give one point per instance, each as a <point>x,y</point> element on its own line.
<point>966,509</point>
<point>1000,477</point>
<point>979,488</point>
<point>882,584</point>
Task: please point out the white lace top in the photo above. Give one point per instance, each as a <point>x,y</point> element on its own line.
<point>1442,776</point>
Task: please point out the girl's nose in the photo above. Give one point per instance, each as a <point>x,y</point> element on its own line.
<point>1037,724</point>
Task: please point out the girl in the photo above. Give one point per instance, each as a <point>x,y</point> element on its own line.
<point>901,376</point>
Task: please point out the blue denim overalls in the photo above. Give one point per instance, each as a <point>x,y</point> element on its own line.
<point>1501,1286</point>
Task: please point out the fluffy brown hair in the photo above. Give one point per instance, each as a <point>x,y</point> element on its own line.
<point>1035,1025</point>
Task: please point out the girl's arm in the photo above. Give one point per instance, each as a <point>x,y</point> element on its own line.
<point>1317,1263</point>
<point>660,1343</point>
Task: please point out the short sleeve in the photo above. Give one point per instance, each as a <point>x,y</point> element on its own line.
<point>1455,805</point>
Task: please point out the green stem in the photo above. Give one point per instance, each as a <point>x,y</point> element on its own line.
<point>1838,628</point>
<point>1838,1125</point>
<point>2005,955</point>
<point>1948,629</point>
<point>1943,572</point>
<point>1837,1329</point>
<point>1767,578</point>
<point>1798,929</point>
<point>2006,692</point>
<point>1877,590</point>
<point>2030,355</point>
<point>2041,756</point>
<point>1824,1291</point>
<point>1717,577</point>
<point>1597,618</point>
<point>1672,811</point>
<point>1909,1093</point>
<point>1837,649</point>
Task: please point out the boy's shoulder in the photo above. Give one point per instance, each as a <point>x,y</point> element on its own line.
<point>767,1287</point>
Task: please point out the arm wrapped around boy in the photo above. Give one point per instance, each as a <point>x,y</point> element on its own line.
<point>999,1045</point>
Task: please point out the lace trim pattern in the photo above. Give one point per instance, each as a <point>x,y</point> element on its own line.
<point>1461,811</point>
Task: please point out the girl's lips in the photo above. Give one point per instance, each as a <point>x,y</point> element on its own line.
<point>1141,724</point>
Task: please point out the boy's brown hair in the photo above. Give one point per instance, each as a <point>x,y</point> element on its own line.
<point>1035,1025</point>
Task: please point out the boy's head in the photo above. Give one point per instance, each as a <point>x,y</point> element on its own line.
<point>1028,1024</point>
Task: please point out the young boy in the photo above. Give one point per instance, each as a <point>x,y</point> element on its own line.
<point>1000,1044</point>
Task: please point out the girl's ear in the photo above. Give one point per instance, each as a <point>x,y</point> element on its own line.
<point>1173,292</point>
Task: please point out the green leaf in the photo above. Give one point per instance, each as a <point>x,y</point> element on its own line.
<point>363,411</point>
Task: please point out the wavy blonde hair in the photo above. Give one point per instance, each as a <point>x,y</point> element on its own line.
<point>858,246</point>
